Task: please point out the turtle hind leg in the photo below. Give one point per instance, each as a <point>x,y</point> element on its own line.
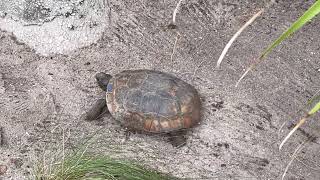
<point>97,111</point>
<point>178,139</point>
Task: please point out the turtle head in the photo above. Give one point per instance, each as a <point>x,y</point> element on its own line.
<point>103,80</point>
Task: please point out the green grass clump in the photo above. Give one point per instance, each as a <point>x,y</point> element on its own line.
<point>80,166</point>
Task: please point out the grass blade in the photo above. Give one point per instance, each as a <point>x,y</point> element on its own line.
<point>315,109</point>
<point>306,17</point>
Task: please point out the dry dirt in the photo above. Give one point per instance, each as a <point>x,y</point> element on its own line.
<point>50,52</point>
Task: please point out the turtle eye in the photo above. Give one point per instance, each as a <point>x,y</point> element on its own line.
<point>109,88</point>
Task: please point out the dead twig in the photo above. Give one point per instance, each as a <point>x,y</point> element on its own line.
<point>257,60</point>
<point>197,68</point>
<point>175,46</point>
<point>298,149</point>
<point>300,123</point>
<point>234,37</point>
<point>175,13</point>
<point>308,166</point>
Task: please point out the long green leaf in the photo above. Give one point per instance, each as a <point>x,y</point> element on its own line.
<point>307,16</point>
<point>315,109</point>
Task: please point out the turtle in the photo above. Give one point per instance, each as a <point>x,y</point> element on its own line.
<point>149,101</point>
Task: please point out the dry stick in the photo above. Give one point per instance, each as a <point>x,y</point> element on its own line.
<point>110,11</point>
<point>175,12</point>
<point>284,123</point>
<point>308,166</point>
<point>245,73</point>
<point>197,68</point>
<point>234,37</point>
<point>257,60</point>
<point>174,22</point>
<point>175,46</point>
<point>301,122</point>
<point>299,148</point>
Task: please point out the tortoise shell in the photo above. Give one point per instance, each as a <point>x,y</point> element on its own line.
<point>152,101</point>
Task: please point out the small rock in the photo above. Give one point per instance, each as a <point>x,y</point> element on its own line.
<point>3,169</point>
<point>18,162</point>
<point>3,14</point>
<point>172,26</point>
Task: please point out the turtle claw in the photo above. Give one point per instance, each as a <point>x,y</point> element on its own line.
<point>177,139</point>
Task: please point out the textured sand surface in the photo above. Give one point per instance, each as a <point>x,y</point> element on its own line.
<point>51,51</point>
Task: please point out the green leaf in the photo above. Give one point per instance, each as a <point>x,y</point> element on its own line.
<point>315,98</point>
<point>307,16</point>
<point>315,109</point>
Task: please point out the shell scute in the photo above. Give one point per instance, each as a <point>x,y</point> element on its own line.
<point>153,101</point>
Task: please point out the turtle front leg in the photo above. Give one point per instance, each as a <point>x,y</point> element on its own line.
<point>178,139</point>
<point>97,111</point>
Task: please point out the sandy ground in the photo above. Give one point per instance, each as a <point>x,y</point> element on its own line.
<point>50,52</point>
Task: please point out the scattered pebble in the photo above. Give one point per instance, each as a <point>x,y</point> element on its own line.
<point>3,169</point>
<point>18,162</point>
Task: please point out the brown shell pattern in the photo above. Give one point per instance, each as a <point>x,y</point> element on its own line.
<point>153,101</point>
